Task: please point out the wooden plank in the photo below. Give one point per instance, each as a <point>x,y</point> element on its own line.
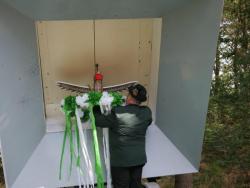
<point>67,54</point>
<point>117,50</point>
<point>126,50</point>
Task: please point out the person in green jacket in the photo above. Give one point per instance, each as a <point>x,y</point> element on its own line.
<point>127,129</point>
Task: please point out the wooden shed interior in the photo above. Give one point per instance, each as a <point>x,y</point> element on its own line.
<point>125,49</point>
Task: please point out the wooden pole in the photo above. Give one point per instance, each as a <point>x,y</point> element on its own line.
<point>184,181</point>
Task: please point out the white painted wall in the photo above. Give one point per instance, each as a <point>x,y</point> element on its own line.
<point>22,123</point>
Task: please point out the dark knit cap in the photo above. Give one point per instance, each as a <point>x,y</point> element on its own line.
<point>138,92</point>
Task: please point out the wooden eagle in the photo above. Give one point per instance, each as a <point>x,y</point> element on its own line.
<point>98,77</point>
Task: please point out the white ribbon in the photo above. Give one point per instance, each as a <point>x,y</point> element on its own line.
<point>88,169</point>
<point>82,101</point>
<point>105,106</point>
<point>107,155</point>
<point>105,103</point>
<point>80,181</point>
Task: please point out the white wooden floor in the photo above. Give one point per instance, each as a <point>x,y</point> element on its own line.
<point>42,168</point>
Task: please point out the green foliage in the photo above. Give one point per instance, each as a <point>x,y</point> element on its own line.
<point>94,97</point>
<point>70,105</point>
<point>226,149</point>
<point>118,99</point>
<point>86,116</point>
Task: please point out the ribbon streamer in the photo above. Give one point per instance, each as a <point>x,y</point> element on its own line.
<point>107,155</point>
<point>77,136</point>
<point>89,169</point>
<point>98,164</point>
<point>66,132</point>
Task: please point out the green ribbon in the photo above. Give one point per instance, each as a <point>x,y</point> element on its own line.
<point>78,159</point>
<point>66,132</point>
<point>69,110</point>
<point>98,163</point>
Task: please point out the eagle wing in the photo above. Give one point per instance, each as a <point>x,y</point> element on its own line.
<point>73,87</point>
<point>119,87</point>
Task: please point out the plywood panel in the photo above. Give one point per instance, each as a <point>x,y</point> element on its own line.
<point>185,74</point>
<point>145,51</point>
<point>22,123</point>
<point>66,50</point>
<point>124,50</point>
<point>117,50</point>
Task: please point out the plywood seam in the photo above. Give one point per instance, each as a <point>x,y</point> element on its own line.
<point>40,67</point>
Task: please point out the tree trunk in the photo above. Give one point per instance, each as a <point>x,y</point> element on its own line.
<point>184,181</point>
<point>217,70</point>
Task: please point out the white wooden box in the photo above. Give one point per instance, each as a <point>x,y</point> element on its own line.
<point>188,44</point>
